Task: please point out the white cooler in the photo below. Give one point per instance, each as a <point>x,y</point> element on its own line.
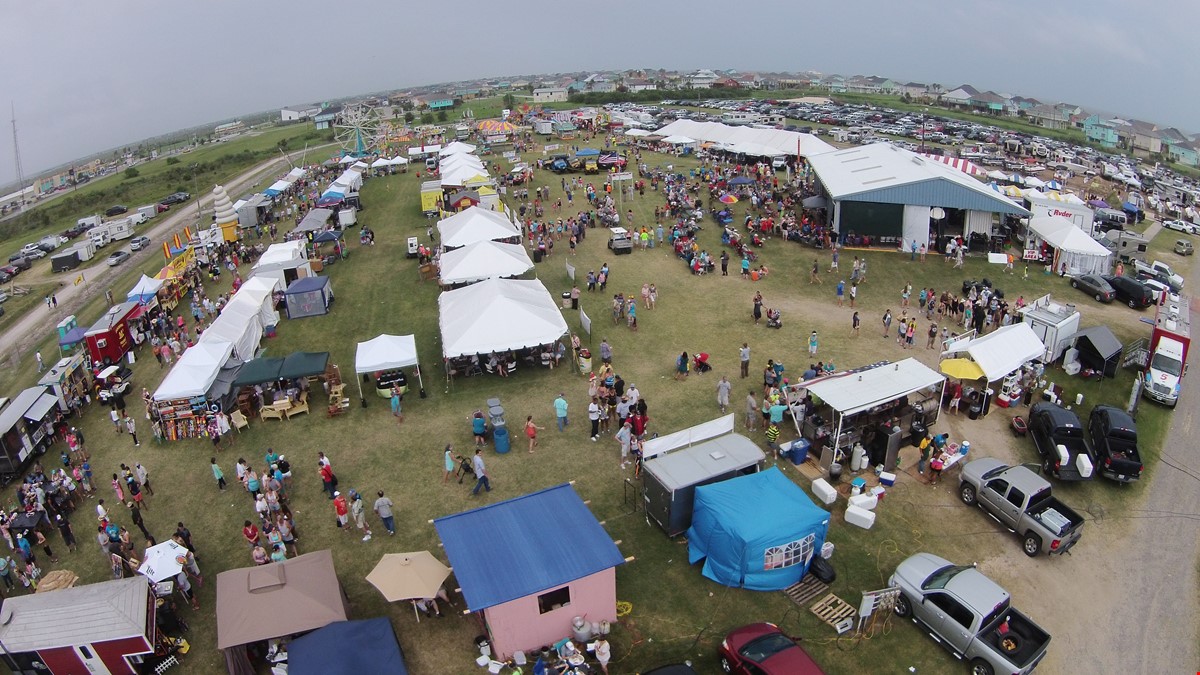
<point>867,501</point>
<point>824,491</point>
<point>860,517</point>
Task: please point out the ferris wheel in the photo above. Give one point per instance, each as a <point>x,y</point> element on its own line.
<point>357,129</point>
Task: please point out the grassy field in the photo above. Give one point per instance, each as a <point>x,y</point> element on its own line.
<point>677,614</point>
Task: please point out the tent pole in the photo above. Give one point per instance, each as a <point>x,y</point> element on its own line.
<point>361,398</point>
<point>941,397</point>
<point>420,381</point>
<point>837,436</point>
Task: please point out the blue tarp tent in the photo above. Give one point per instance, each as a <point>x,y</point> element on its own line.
<point>758,531</point>
<point>308,296</point>
<point>348,648</point>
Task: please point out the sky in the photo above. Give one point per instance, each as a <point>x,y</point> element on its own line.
<point>87,76</point>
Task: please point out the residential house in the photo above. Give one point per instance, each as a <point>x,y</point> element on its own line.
<point>326,118</point>
<point>636,85</point>
<point>1144,138</point>
<point>298,112</point>
<point>1024,102</point>
<point>1103,132</point>
<point>702,79</point>
<point>913,90</point>
<point>959,97</point>
<point>871,84</point>
<point>989,102</point>
<point>728,83</point>
<point>1056,116</point>
<point>1187,153</point>
<point>550,95</point>
<point>834,83</point>
<point>748,81</point>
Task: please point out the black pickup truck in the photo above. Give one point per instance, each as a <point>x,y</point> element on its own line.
<point>1059,438</point>
<point>1114,440</point>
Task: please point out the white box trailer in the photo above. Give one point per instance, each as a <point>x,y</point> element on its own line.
<point>1079,214</point>
<point>102,234</point>
<point>1054,323</point>
<point>149,210</point>
<point>89,221</point>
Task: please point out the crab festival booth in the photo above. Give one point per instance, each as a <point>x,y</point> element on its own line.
<point>310,296</point>
<point>758,531</point>
<point>676,464</point>
<point>528,565</point>
<point>106,627</point>
<point>301,593</point>
<point>109,338</point>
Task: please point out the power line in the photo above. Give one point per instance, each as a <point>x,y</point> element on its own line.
<point>17,155</point>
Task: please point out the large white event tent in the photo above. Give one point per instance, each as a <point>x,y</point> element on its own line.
<point>285,182</point>
<point>195,371</point>
<point>459,176</point>
<point>457,148</point>
<point>498,315</point>
<point>787,142</point>
<point>1073,247</point>
<point>484,260</point>
<point>386,352</point>
<point>1002,351</point>
<point>475,224</point>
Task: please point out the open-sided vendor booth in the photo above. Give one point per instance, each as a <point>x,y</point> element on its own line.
<point>382,359</point>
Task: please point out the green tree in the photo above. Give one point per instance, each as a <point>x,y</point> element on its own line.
<point>427,118</point>
<point>441,116</point>
<point>409,116</point>
<point>172,160</point>
<point>510,101</point>
<point>132,172</point>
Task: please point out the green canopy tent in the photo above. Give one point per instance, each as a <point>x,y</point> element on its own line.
<point>304,364</point>
<point>257,371</point>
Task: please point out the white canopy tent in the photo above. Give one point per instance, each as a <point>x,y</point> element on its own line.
<point>1035,182</point>
<point>195,371</point>
<point>423,150</point>
<point>753,149</point>
<point>386,352</point>
<point>789,142</point>
<point>473,225</point>
<point>679,140</point>
<point>380,163</point>
<point>145,289</point>
<point>461,175</point>
<point>637,133</point>
<point>498,315</point>
<point>457,148</point>
<point>398,161</point>
<point>1072,246</point>
<point>1002,351</point>
<point>348,159</point>
<point>484,260</point>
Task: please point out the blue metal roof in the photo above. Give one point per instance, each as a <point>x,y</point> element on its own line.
<point>525,545</point>
<point>937,192</point>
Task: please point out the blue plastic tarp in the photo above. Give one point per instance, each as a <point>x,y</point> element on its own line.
<point>587,152</point>
<point>73,336</point>
<point>757,531</point>
<point>525,545</point>
<point>348,648</point>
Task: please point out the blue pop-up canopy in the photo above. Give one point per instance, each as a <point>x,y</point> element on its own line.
<point>348,648</point>
<point>758,531</point>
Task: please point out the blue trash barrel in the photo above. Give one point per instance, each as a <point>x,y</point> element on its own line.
<point>500,436</point>
<point>799,451</point>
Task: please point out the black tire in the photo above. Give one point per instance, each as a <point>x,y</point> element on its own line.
<point>981,667</point>
<point>1099,298</point>
<point>1031,545</point>
<point>726,667</point>
<point>966,493</point>
<point>1074,284</point>
<point>903,608</point>
<point>1132,304</point>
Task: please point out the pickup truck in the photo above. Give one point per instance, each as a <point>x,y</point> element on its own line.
<point>1021,500</point>
<point>968,614</point>
<point>1162,271</point>
<point>1058,437</point>
<point>1114,440</point>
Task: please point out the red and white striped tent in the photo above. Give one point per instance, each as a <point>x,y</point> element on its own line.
<point>963,165</point>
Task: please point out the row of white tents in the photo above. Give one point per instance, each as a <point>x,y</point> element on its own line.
<point>286,182</point>
<point>743,140</point>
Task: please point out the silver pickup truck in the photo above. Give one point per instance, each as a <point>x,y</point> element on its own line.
<point>1021,500</point>
<point>969,615</point>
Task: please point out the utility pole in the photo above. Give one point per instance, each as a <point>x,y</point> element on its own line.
<point>17,156</point>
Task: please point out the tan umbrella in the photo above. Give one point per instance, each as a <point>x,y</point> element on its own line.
<point>407,576</point>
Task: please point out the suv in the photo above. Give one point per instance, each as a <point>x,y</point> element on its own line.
<point>116,210</point>
<point>1131,291</point>
<point>176,198</point>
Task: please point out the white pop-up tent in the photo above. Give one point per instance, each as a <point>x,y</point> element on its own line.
<point>475,224</point>
<point>145,290</point>
<point>1002,351</point>
<point>1072,246</point>
<point>498,315</point>
<point>386,352</point>
<point>284,262</point>
<point>460,175</point>
<point>195,371</point>
<point>381,163</point>
<point>484,260</point>
<point>457,148</point>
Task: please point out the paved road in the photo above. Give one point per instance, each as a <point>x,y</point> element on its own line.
<point>21,335</point>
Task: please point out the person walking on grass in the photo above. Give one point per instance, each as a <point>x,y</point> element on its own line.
<point>560,411</point>
<point>448,464</point>
<point>383,509</point>
<point>359,511</point>
<point>531,430</point>
<point>342,510</point>
<point>681,367</point>
<point>814,278</point>
<point>854,324</point>
<point>482,479</point>
<point>751,410</point>
<point>841,292</point>
<point>744,356</point>
<point>724,386</point>
<point>594,417</point>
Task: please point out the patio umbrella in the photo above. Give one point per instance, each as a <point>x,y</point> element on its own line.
<point>963,369</point>
<point>728,199</point>
<point>164,561</point>
<point>407,576</point>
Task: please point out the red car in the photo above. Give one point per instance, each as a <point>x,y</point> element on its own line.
<point>762,649</point>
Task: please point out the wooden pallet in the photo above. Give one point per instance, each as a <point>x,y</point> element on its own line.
<point>833,610</point>
<point>806,590</point>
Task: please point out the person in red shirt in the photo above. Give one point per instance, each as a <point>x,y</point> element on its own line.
<point>250,534</point>
<point>340,508</point>
<point>327,478</point>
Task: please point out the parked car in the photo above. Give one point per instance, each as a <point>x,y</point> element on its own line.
<point>20,262</point>
<point>5,277</point>
<point>176,198</point>
<point>763,649</point>
<point>1130,291</point>
<point>1022,501</point>
<point>139,243</point>
<point>117,258</point>
<point>968,614</point>
<point>11,270</point>
<point>1114,440</point>
<point>1095,286</point>
<point>1059,439</point>
<point>116,210</point>
<point>1183,247</point>
<point>1179,226</point>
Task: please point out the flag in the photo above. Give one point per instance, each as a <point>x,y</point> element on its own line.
<point>176,239</point>
<point>79,279</point>
<point>166,251</point>
<point>187,233</point>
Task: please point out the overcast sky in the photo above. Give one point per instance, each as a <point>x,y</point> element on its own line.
<point>87,76</point>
